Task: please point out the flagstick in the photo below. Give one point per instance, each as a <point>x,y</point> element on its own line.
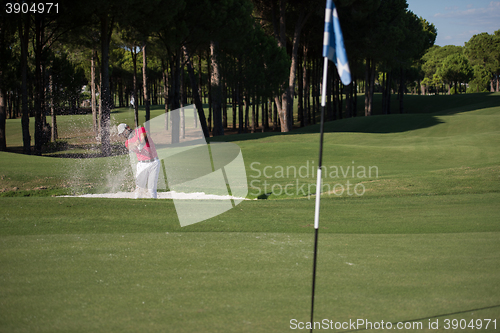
<point>318,185</point>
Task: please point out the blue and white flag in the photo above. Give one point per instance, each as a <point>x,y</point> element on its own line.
<point>333,43</point>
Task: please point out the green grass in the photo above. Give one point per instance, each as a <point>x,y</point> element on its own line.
<point>392,215</point>
<point>422,243</point>
<point>238,282</point>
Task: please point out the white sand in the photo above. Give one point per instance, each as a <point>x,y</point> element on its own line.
<point>162,195</point>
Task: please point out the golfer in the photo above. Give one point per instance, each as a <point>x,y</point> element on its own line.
<point>148,166</point>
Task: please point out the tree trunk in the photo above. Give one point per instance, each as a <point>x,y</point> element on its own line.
<point>120,93</point>
<point>166,99</point>
<point>384,92</point>
<point>254,125</point>
<point>281,105</point>
<point>372,87</point>
<point>106,31</point>
<point>216,89</point>
<point>348,102</point>
<point>165,90</point>
<point>9,105</point>
<point>300,92</point>
<point>329,86</point>
<point>3,112</point>
<point>145,81</point>
<point>233,101</point>
<point>355,97</point>
<point>196,96</point>
<point>275,117</point>
<point>209,76</point>
<point>288,95</point>
<point>305,87</point>
<point>16,99</point>
<point>38,84</point>
<point>388,97</point>
<point>319,77</point>
<point>151,92</point>
<point>239,97</point>
<point>341,99</point>
<point>3,104</point>
<point>247,108</point>
<point>99,109</point>
<point>200,81</point>
<point>224,103</point>
<point>265,118</point>
<point>53,132</point>
<point>336,97</point>
<point>111,93</point>
<point>92,91</point>
<point>401,89</point>
<point>367,87</point>
<point>133,53</point>
<point>175,119</point>
<point>314,85</point>
<point>182,100</point>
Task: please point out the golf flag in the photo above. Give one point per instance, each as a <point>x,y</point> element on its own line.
<point>333,43</point>
<point>334,50</point>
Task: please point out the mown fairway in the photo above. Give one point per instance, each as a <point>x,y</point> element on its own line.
<point>421,242</point>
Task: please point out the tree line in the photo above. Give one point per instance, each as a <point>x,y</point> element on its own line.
<point>475,65</point>
<point>260,56</point>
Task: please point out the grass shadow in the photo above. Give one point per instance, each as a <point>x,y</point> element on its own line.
<point>419,112</point>
<point>383,124</point>
<point>430,317</point>
<point>82,151</point>
<point>447,104</point>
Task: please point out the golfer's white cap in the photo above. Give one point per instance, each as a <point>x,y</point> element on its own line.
<point>121,128</point>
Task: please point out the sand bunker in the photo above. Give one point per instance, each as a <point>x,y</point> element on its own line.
<point>161,195</point>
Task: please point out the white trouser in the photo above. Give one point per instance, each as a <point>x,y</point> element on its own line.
<point>147,177</point>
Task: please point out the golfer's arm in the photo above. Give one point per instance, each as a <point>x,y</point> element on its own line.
<point>140,139</point>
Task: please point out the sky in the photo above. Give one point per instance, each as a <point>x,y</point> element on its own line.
<point>458,20</point>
